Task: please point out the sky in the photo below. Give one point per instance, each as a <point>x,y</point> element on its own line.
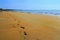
<point>30,4</point>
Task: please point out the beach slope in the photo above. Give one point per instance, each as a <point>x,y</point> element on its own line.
<point>25,26</point>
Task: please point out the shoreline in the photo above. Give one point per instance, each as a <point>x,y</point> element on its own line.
<point>33,13</point>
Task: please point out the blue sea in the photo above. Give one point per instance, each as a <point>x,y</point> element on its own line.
<point>49,12</point>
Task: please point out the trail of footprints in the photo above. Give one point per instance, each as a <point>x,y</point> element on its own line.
<point>24,33</point>
<point>22,27</point>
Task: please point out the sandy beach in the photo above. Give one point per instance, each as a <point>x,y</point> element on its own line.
<point>26,26</point>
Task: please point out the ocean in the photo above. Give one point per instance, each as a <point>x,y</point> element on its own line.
<point>48,12</point>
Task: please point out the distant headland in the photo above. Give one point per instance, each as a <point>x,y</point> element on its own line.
<point>1,9</point>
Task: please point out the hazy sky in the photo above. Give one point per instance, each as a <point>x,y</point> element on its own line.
<point>31,4</point>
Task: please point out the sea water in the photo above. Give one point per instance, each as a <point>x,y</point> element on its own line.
<point>47,12</point>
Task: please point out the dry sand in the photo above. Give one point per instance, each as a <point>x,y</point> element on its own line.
<point>24,26</point>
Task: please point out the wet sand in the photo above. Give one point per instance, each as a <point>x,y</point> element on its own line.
<point>24,26</point>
